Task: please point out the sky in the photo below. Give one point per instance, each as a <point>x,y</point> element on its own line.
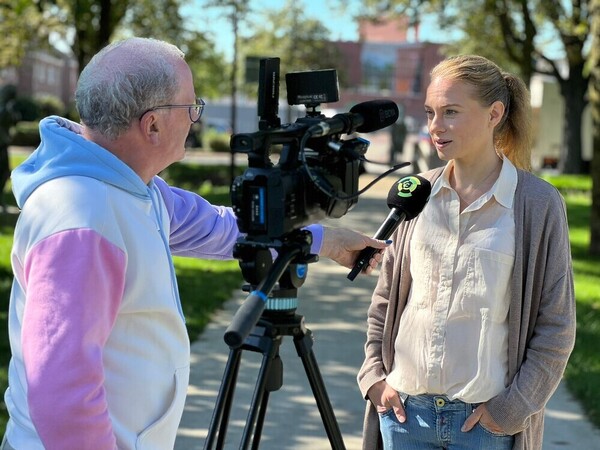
<point>336,15</point>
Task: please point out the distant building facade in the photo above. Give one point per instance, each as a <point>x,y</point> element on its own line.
<point>385,64</point>
<point>44,74</point>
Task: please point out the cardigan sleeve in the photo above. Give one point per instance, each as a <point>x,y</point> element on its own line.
<point>544,336</point>
<point>372,369</point>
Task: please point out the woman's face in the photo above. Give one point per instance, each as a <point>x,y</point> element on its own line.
<point>460,127</point>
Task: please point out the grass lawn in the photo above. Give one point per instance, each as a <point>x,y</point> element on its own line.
<point>583,371</point>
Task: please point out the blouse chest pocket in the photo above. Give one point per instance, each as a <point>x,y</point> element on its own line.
<point>485,287</point>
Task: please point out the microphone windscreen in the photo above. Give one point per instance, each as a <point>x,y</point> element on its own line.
<point>376,114</point>
<point>409,194</point>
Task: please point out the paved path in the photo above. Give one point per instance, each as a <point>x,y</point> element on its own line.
<point>335,310</point>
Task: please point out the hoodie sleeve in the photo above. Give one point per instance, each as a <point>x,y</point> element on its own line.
<point>74,283</point>
<point>198,228</point>
<point>203,230</point>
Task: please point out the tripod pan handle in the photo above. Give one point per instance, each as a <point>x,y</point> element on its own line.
<point>245,318</point>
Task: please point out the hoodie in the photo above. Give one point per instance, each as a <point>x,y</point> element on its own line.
<point>100,352</point>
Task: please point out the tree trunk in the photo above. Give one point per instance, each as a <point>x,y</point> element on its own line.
<point>595,103</point>
<point>573,92</point>
<point>4,172</point>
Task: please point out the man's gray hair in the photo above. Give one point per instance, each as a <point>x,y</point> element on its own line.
<point>124,80</point>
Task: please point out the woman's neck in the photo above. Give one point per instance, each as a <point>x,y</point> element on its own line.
<point>470,181</point>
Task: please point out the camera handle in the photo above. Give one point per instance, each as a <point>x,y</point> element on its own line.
<point>264,336</point>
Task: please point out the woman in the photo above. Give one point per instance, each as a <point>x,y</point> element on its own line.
<point>473,317</point>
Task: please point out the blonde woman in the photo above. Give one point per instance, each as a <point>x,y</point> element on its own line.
<point>473,317</point>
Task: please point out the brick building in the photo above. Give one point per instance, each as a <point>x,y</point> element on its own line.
<point>385,63</point>
<point>44,74</point>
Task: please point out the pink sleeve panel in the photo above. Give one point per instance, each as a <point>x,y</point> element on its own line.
<point>74,282</point>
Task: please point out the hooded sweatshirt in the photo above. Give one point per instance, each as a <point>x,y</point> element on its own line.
<point>100,352</point>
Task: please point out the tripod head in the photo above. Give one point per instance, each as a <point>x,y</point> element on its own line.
<point>273,283</point>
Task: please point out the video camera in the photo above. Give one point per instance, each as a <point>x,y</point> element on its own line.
<point>317,172</point>
<point>316,177</point>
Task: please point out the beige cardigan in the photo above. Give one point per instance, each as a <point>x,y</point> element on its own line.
<point>541,316</point>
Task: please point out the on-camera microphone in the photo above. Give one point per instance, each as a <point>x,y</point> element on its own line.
<point>363,118</point>
<point>407,198</point>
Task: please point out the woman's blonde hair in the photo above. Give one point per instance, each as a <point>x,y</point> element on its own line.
<point>513,135</point>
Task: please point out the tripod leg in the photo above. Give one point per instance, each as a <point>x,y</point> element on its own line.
<point>269,379</point>
<point>274,383</point>
<point>304,342</point>
<point>220,417</point>
<point>260,421</point>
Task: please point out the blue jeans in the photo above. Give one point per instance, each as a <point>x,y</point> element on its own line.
<point>434,422</point>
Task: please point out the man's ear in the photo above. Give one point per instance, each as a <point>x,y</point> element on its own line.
<point>150,127</point>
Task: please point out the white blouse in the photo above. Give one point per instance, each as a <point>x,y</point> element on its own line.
<point>453,334</point>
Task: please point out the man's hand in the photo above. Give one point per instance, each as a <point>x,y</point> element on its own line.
<point>482,415</point>
<point>384,397</point>
<point>343,246</point>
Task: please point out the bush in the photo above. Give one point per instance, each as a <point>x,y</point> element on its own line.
<point>220,144</point>
<point>71,112</point>
<point>216,141</point>
<point>194,176</point>
<point>50,105</point>
<point>27,108</point>
<point>25,134</point>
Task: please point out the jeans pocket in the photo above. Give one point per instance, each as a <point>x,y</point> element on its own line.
<point>386,413</point>
<point>493,433</point>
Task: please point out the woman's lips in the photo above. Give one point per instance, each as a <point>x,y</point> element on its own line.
<point>442,143</point>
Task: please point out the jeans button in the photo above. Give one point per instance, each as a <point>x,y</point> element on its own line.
<point>439,402</point>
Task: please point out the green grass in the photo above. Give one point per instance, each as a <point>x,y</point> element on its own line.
<point>203,287</point>
<point>583,371</point>
<point>5,284</point>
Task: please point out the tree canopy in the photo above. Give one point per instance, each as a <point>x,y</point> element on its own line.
<point>90,25</point>
<point>521,35</point>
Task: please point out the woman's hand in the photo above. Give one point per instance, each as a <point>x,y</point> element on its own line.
<point>384,397</point>
<point>481,414</point>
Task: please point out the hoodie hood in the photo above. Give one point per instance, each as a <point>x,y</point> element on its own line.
<point>65,152</point>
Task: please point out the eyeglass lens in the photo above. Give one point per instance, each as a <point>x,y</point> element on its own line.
<point>196,111</point>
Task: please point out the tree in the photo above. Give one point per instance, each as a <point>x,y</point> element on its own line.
<point>163,20</point>
<point>95,23</point>
<point>594,62</point>
<point>301,43</point>
<point>516,30</point>
<point>8,117</point>
<point>23,23</point>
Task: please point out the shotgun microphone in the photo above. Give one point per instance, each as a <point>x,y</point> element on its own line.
<point>365,117</point>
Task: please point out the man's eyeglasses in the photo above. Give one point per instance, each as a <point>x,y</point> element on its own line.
<point>195,110</point>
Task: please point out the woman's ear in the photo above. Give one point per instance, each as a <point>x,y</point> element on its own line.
<point>496,113</point>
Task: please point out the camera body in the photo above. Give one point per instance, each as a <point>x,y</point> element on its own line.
<point>314,178</point>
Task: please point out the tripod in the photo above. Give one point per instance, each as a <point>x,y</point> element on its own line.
<point>265,337</point>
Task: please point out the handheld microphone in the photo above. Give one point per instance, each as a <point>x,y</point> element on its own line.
<point>364,118</point>
<point>407,198</point>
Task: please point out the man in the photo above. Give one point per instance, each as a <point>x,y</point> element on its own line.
<point>100,353</point>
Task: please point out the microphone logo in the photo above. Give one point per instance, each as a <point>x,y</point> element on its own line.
<point>407,185</point>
